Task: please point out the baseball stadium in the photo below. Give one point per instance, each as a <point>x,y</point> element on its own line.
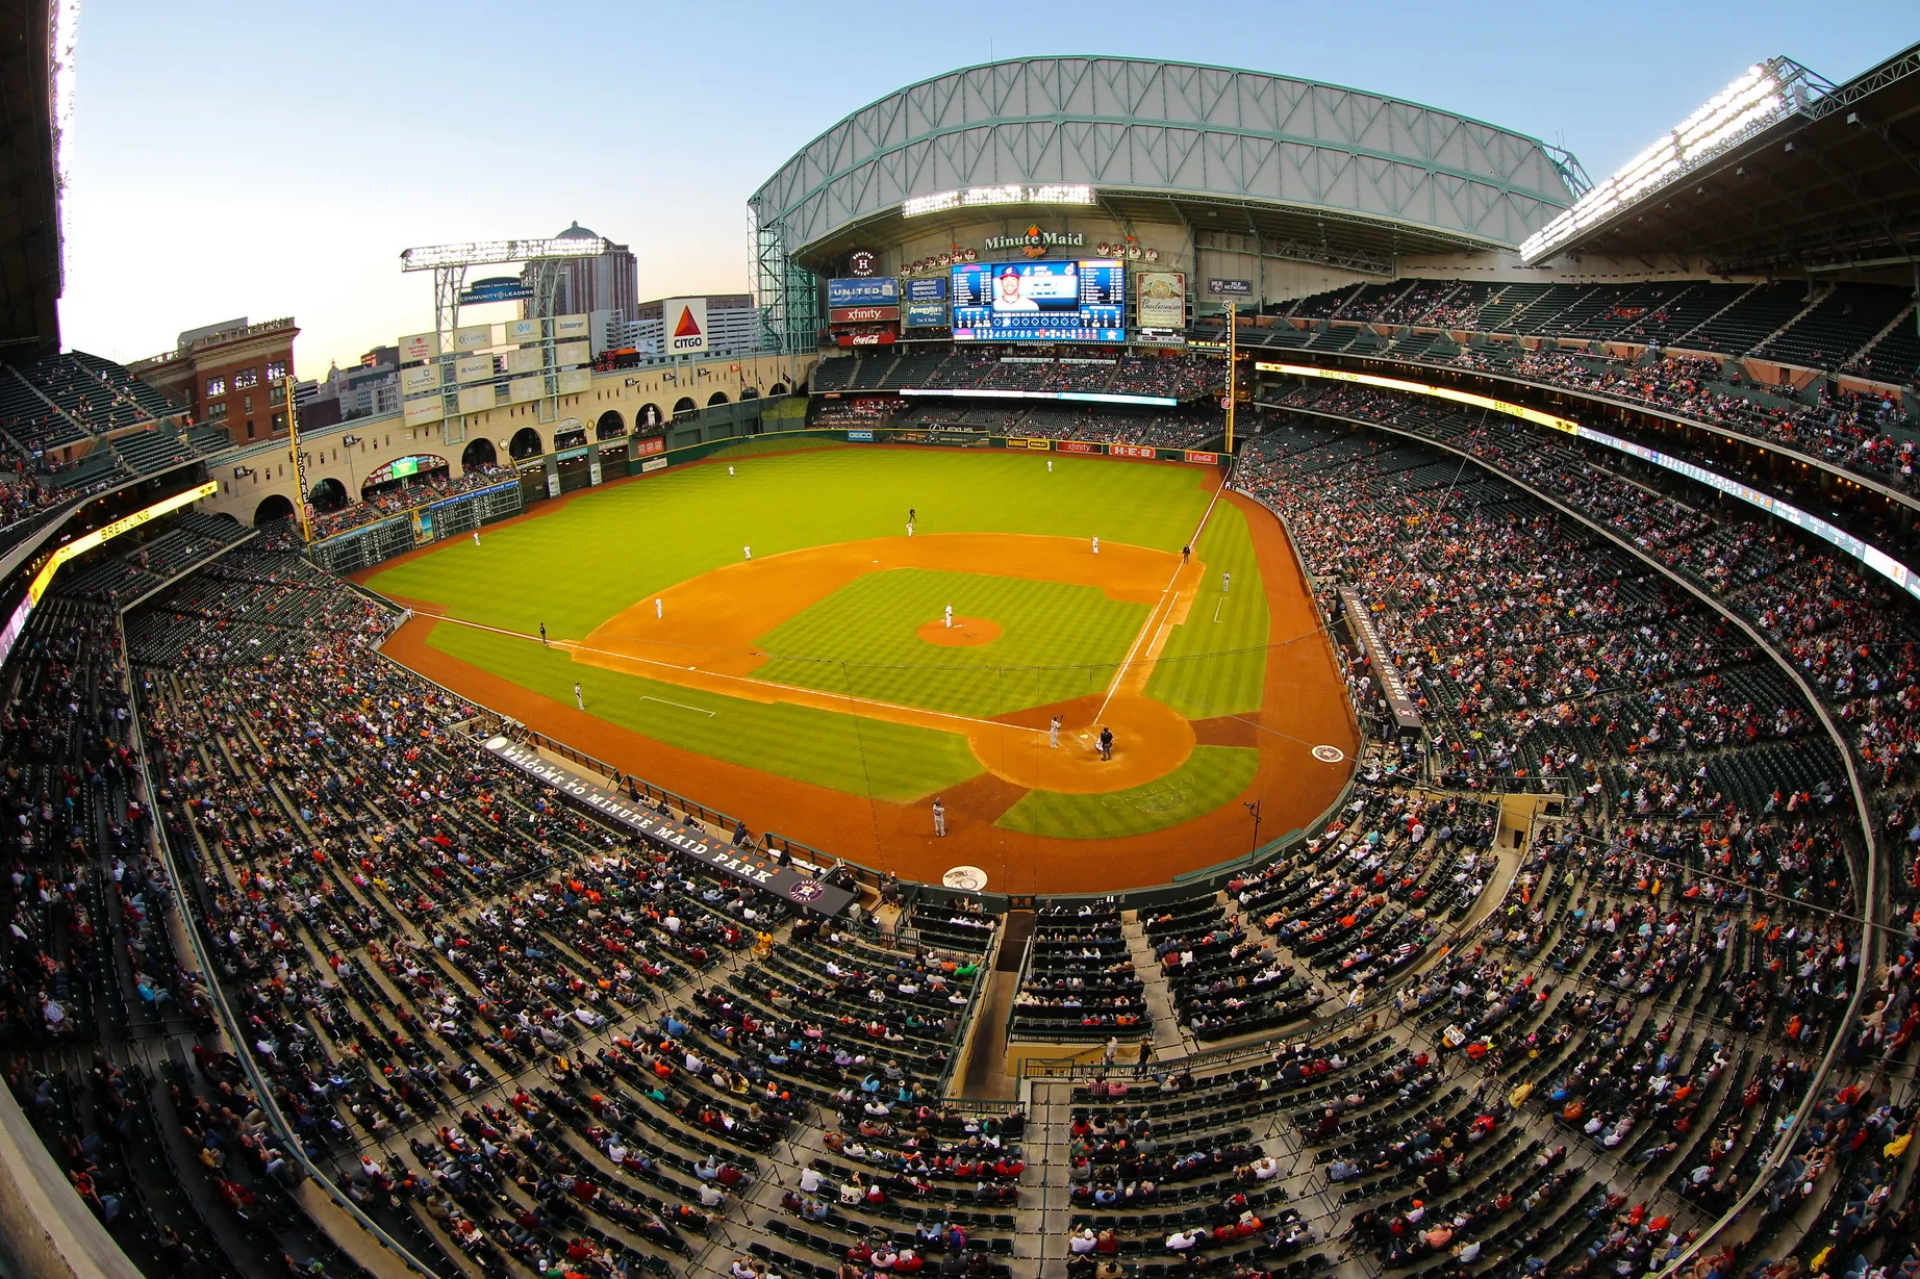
<point>1207,672</point>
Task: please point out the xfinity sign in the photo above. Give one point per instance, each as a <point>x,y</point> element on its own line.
<point>684,322</point>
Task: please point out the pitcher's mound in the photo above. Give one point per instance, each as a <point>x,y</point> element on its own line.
<point>966,632</point>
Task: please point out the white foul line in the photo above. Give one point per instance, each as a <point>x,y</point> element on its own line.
<point>1153,623</point>
<point>682,705</point>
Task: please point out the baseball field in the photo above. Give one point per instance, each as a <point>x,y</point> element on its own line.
<point>761,632</point>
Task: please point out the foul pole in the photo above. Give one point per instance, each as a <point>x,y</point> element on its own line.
<point>299,477</point>
<point>1233,358</point>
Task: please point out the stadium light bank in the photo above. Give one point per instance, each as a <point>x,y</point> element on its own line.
<point>480,252</point>
<point>1768,92</point>
<point>1010,193</point>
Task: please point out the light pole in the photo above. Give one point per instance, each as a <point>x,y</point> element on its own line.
<point>1254,808</point>
<point>353,480</point>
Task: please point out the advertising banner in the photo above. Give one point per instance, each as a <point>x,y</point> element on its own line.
<point>499,288</point>
<point>574,381</point>
<point>523,389</point>
<point>684,322</point>
<point>571,326</point>
<point>420,379</point>
<point>863,315</point>
<point>473,368</point>
<point>646,448</point>
<point>927,315</point>
<point>1204,459</point>
<point>526,359</point>
<point>932,288</point>
<point>1075,446</point>
<point>653,464</point>
<point>419,412</point>
<point>887,338</point>
<point>1132,450</point>
<point>874,290</point>
<point>860,437</point>
<point>522,331</point>
<point>419,346</point>
<point>1163,299</point>
<point>477,399</point>
<point>566,353</point>
<point>471,337</point>
<point>1230,288</point>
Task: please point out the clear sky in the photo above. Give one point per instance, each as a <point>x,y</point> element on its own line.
<point>235,158</point>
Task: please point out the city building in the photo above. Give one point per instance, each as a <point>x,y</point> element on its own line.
<point>607,282</point>
<point>229,375</point>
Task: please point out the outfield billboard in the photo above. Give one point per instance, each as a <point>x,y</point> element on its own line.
<point>420,379</point>
<point>472,337</point>
<point>684,322</point>
<point>1163,299</point>
<point>877,290</point>
<point>419,346</point>
<point>926,315</point>
<point>420,412</point>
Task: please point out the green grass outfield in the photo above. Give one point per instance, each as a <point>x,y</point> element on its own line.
<point>1057,642</point>
<point>1215,663</point>
<point>576,565</point>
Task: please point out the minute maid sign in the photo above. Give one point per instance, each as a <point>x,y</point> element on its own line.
<point>1035,242</point>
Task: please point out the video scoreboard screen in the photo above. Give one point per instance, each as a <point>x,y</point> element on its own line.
<point>1040,301</point>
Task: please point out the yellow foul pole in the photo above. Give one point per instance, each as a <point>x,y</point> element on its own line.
<point>1233,358</point>
<point>299,479</point>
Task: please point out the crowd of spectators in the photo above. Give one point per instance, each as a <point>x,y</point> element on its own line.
<point>1845,428</point>
<point>1097,370</point>
<point>404,496</point>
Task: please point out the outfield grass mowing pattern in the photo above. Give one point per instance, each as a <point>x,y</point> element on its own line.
<point>1212,667</point>
<point>1212,776</point>
<point>901,763</point>
<point>574,567</point>
<point>1057,642</point>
